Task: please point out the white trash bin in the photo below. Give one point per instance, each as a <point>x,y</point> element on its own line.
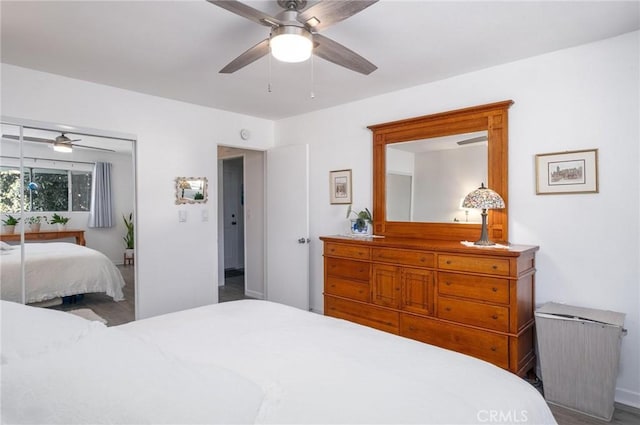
<point>579,351</point>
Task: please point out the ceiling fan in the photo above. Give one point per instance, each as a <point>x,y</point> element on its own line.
<point>295,33</point>
<point>60,144</point>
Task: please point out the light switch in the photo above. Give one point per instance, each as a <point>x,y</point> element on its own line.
<point>182,216</point>
<point>205,215</point>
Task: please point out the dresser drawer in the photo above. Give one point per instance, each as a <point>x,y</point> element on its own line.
<point>463,263</point>
<point>483,315</point>
<point>474,287</point>
<point>349,251</point>
<point>355,290</point>
<point>364,314</point>
<point>348,269</point>
<point>487,346</point>
<point>404,257</point>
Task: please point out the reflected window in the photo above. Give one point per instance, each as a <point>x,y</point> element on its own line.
<point>45,189</point>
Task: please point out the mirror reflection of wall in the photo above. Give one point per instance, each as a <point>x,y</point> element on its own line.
<point>441,171</point>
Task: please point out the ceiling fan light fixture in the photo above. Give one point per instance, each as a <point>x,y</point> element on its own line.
<point>291,44</point>
<point>62,147</point>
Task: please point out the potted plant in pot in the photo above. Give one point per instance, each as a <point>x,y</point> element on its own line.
<point>60,221</point>
<point>363,223</point>
<point>128,238</point>
<point>35,221</point>
<point>9,224</point>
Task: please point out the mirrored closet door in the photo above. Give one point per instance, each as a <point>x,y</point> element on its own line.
<point>70,194</point>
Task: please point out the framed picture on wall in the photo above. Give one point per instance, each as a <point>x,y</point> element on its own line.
<point>340,186</point>
<point>567,172</point>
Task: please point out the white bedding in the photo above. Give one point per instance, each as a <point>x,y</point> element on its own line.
<point>58,269</point>
<point>256,362</point>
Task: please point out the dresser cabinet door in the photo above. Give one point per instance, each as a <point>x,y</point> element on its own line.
<point>385,286</point>
<point>417,291</point>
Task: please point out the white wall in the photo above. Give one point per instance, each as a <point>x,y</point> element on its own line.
<point>176,262</point>
<point>583,97</point>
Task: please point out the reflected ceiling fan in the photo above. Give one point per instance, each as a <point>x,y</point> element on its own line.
<point>295,33</point>
<point>60,144</point>
<point>472,140</point>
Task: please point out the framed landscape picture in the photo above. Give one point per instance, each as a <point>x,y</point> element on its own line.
<point>340,186</point>
<point>567,172</point>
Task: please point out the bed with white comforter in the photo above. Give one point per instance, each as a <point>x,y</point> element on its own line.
<point>248,362</point>
<point>58,269</point>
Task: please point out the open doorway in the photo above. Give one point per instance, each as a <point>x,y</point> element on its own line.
<point>240,224</point>
<point>233,225</point>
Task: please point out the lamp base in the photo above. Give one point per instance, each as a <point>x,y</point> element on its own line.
<point>484,235</point>
<point>484,242</point>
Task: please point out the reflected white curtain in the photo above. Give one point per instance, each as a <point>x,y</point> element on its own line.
<point>101,201</point>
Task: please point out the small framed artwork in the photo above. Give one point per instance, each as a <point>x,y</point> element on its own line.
<point>567,172</point>
<point>340,186</point>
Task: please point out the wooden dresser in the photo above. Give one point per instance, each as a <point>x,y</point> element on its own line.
<point>477,301</point>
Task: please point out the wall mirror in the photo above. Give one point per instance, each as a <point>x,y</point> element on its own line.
<point>423,167</point>
<point>191,190</point>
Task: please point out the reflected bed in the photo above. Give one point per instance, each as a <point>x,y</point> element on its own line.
<point>58,269</point>
<point>250,361</point>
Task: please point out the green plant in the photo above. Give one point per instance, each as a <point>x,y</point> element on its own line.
<point>10,220</point>
<point>197,196</point>
<point>362,218</point>
<point>128,238</point>
<point>36,219</point>
<point>58,219</point>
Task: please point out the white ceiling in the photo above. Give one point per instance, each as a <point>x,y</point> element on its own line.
<point>175,49</point>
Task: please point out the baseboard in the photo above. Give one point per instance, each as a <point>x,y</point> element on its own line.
<point>254,294</point>
<point>628,399</point>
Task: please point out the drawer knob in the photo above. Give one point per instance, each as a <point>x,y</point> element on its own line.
<point>494,317</point>
<point>423,259</point>
<point>494,267</point>
<point>447,283</point>
<point>412,329</point>
<point>333,285</point>
<point>448,261</point>
<point>494,349</point>
<point>447,308</point>
<point>494,289</point>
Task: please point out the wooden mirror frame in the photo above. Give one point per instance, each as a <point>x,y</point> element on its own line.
<point>492,117</point>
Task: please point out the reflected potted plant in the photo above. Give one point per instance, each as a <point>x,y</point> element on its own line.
<point>60,221</point>
<point>35,221</point>
<point>363,223</point>
<point>128,238</point>
<point>9,224</point>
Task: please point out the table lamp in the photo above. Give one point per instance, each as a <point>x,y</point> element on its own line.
<point>483,198</point>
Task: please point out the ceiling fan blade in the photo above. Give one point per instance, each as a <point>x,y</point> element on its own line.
<point>27,138</point>
<point>251,55</point>
<point>329,12</point>
<point>335,52</point>
<point>472,140</point>
<point>92,147</point>
<point>248,12</point>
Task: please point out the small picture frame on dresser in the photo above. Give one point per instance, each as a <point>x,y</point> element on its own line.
<point>340,186</point>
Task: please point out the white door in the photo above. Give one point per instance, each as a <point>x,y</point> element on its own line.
<point>288,225</point>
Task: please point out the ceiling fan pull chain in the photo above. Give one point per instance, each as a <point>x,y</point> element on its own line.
<point>313,95</point>
<point>269,82</point>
